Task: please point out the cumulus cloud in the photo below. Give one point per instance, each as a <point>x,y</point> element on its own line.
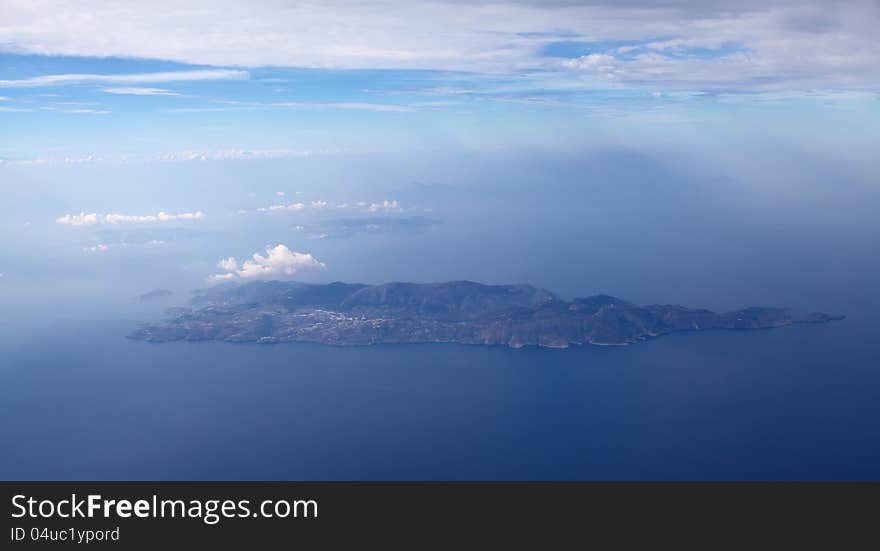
<point>279,262</point>
<point>93,219</point>
<point>81,219</point>
<point>229,264</point>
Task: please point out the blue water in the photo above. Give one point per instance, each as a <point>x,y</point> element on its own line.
<point>802,402</point>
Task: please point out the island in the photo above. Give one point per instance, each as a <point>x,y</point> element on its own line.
<point>463,312</point>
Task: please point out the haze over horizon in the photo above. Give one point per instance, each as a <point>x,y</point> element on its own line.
<point>590,146</point>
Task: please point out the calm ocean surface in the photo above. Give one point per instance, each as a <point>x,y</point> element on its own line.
<point>82,402</point>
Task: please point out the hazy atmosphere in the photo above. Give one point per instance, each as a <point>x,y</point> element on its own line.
<point>663,152</point>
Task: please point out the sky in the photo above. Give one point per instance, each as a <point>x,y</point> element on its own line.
<point>114,81</point>
<point>173,145</point>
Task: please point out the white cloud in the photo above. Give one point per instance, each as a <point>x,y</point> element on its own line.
<point>228,265</point>
<point>104,247</point>
<point>385,206</point>
<point>790,44</point>
<point>355,105</point>
<point>299,105</point>
<point>84,111</point>
<point>602,63</point>
<point>132,78</point>
<point>278,263</point>
<point>161,217</point>
<point>93,219</point>
<point>139,91</point>
<point>279,193</point>
<point>81,219</point>
<point>292,207</point>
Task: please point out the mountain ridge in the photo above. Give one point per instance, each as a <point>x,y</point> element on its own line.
<point>465,312</point>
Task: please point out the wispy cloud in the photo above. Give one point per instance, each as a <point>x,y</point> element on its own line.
<point>361,106</point>
<point>132,78</point>
<point>140,91</point>
<point>104,247</point>
<point>232,154</point>
<point>244,154</point>
<point>792,44</point>
<point>345,105</point>
<point>93,219</point>
<point>385,206</point>
<point>76,111</point>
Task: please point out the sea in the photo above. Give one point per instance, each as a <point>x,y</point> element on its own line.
<point>797,403</point>
<point>80,401</point>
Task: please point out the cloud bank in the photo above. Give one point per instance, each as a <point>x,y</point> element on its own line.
<point>686,43</point>
<point>278,263</point>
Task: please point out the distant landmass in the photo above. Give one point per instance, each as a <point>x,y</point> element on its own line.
<point>155,294</point>
<point>455,312</point>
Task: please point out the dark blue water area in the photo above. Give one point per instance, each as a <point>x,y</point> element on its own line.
<point>82,402</point>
